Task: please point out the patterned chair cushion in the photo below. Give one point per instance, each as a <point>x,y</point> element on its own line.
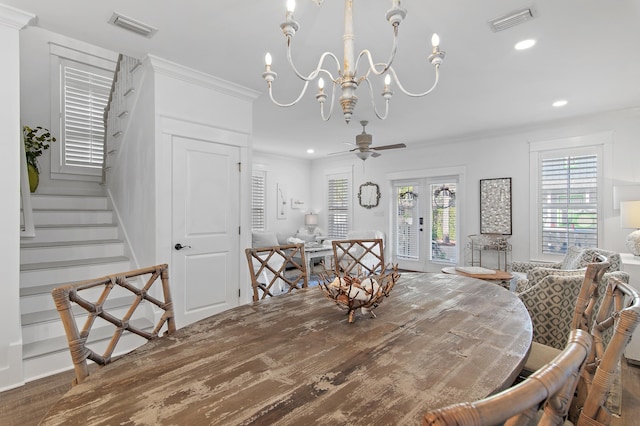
<point>551,303</point>
<point>574,259</point>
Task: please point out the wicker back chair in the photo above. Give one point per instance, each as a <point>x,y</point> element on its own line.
<point>75,296</point>
<point>617,317</point>
<point>362,256</point>
<point>553,385</point>
<point>273,267</point>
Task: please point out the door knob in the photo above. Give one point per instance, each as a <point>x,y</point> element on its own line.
<point>180,246</point>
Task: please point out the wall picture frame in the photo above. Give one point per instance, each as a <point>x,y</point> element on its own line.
<point>281,200</point>
<point>369,195</point>
<point>495,206</point>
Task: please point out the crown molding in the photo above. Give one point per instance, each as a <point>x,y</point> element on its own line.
<point>190,75</point>
<point>15,18</point>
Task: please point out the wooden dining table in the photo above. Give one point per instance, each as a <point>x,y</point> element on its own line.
<point>295,360</point>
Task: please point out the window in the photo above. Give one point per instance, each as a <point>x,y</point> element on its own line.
<point>568,202</point>
<point>81,84</point>
<point>566,193</point>
<point>407,222</point>
<point>443,222</point>
<point>338,205</point>
<point>258,222</point>
<point>84,98</point>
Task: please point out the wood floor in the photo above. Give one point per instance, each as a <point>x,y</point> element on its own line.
<point>25,406</point>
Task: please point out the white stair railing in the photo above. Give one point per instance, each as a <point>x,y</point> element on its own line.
<point>117,110</point>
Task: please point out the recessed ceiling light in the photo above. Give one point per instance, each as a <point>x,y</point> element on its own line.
<point>525,44</point>
<point>310,151</point>
<point>560,103</point>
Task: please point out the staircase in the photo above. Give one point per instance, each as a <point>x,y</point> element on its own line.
<point>76,239</point>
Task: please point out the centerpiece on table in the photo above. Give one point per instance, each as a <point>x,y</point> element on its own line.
<point>359,291</point>
<point>36,141</point>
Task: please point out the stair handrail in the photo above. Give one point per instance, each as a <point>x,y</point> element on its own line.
<point>27,229</point>
<point>116,110</point>
<point>105,118</point>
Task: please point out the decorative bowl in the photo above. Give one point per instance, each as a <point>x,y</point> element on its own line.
<point>359,291</point>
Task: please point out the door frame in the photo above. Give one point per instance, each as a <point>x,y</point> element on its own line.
<point>421,177</point>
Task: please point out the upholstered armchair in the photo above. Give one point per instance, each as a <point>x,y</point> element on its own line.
<point>527,274</point>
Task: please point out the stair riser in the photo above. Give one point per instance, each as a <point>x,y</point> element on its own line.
<point>49,235</point>
<point>51,363</point>
<point>68,202</point>
<point>44,301</point>
<point>71,274</point>
<point>50,329</point>
<point>59,253</point>
<point>78,217</point>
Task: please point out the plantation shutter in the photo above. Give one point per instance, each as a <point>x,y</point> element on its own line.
<point>86,94</point>
<point>258,201</point>
<point>338,207</point>
<point>407,224</point>
<point>569,202</point>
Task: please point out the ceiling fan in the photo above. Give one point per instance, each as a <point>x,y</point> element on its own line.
<point>363,147</point>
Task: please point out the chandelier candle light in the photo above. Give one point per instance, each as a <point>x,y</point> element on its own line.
<point>346,74</point>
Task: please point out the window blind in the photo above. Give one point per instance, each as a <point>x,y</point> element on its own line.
<point>258,201</point>
<point>407,226</point>
<point>443,222</point>
<point>569,202</point>
<point>338,207</point>
<point>85,97</point>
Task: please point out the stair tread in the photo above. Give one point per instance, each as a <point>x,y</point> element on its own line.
<point>52,314</point>
<point>78,225</point>
<point>59,343</point>
<point>71,263</point>
<point>40,289</point>
<point>77,209</point>
<point>69,243</point>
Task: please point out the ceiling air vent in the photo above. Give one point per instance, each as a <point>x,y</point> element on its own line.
<point>512,19</point>
<point>132,25</point>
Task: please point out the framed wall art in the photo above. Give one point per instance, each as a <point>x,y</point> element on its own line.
<point>369,195</point>
<point>495,206</point>
<point>281,200</point>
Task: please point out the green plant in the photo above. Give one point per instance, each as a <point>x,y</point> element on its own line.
<point>36,141</point>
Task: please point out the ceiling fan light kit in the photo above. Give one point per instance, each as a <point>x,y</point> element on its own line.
<point>346,74</point>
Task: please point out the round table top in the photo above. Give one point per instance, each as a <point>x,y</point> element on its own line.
<point>294,359</point>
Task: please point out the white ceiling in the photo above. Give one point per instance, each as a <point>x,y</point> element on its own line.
<point>587,51</point>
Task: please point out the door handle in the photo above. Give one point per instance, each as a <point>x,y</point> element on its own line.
<point>180,246</point>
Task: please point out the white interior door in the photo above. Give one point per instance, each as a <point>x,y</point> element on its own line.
<point>205,201</point>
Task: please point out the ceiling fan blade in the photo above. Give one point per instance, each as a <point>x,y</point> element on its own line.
<point>339,152</point>
<point>394,146</point>
<point>375,154</point>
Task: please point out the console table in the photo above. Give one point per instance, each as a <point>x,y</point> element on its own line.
<point>495,243</point>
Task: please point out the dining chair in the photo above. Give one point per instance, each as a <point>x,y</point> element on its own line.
<point>618,314</point>
<point>553,306</point>
<point>543,398</point>
<point>358,256</point>
<point>114,299</point>
<point>277,268</point>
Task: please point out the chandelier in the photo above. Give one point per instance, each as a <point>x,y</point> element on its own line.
<point>346,75</point>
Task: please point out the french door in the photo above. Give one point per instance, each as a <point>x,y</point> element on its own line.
<point>426,223</point>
